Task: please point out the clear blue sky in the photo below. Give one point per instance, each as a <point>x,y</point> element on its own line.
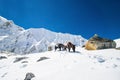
<point>81,17</point>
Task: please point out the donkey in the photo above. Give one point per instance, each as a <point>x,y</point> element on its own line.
<point>70,45</point>
<point>60,46</point>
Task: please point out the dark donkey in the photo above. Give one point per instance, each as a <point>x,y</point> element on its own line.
<point>70,45</point>
<point>60,46</point>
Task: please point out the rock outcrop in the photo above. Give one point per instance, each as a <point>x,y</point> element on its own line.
<point>29,76</point>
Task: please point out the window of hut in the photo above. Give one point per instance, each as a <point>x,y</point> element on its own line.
<point>92,42</point>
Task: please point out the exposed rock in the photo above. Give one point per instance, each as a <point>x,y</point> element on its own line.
<point>42,58</point>
<point>19,59</point>
<point>29,76</point>
<point>24,62</point>
<point>4,74</point>
<point>3,57</point>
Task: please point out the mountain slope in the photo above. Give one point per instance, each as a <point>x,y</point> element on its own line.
<point>15,39</point>
<point>62,65</point>
<point>7,27</point>
<point>118,42</point>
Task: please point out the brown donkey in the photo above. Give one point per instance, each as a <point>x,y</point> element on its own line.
<point>70,45</point>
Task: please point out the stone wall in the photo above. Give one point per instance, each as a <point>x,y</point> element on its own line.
<point>97,42</point>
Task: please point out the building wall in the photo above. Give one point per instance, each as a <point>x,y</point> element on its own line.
<point>106,45</point>
<point>95,45</point>
<point>90,46</point>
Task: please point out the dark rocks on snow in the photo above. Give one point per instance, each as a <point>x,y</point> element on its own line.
<point>29,76</point>
<point>24,62</point>
<point>42,58</point>
<point>3,57</point>
<point>19,59</point>
<point>4,74</point>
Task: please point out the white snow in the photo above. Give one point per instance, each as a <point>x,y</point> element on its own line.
<point>3,37</point>
<point>118,42</point>
<point>52,65</point>
<point>32,40</point>
<point>62,65</point>
<point>3,19</point>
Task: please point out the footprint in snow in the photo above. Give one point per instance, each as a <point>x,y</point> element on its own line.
<point>118,59</point>
<point>100,60</point>
<point>115,65</point>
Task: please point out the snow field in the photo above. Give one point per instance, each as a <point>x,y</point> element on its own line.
<point>62,65</point>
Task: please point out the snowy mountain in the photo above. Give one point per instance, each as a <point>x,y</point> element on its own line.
<point>16,39</point>
<point>7,27</point>
<point>62,65</point>
<point>52,65</point>
<point>118,42</point>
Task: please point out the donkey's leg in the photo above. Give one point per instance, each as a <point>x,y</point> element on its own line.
<point>55,48</point>
<point>73,48</point>
<point>59,48</point>
<point>69,49</point>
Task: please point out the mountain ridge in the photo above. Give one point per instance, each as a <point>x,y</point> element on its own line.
<point>16,39</point>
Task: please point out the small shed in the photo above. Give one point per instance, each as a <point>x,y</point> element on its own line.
<point>96,43</point>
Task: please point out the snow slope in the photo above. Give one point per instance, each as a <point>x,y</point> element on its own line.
<point>50,65</point>
<point>15,39</point>
<point>7,27</point>
<point>118,42</point>
<point>62,65</point>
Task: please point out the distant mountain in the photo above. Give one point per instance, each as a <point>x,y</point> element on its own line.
<point>7,27</point>
<point>16,39</point>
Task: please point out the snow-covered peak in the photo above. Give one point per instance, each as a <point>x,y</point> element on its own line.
<point>7,27</point>
<point>2,19</point>
<point>55,37</point>
<point>39,33</point>
<point>32,40</point>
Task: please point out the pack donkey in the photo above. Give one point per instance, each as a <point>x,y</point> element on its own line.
<point>70,45</point>
<point>64,47</point>
<point>60,46</point>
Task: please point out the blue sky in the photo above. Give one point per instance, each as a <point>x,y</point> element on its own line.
<point>81,17</point>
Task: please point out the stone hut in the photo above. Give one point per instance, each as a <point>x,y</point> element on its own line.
<point>96,43</point>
